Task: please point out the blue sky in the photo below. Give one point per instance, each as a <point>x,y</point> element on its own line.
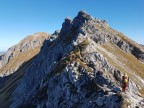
<point>19,18</point>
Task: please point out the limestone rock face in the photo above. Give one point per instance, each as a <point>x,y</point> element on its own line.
<point>80,66</point>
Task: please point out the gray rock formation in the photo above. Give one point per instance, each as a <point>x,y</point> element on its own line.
<point>142,45</point>
<point>79,66</point>
<point>1,53</point>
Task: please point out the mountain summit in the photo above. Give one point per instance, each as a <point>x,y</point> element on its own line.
<point>80,66</point>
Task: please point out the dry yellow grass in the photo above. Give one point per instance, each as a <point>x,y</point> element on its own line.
<point>125,104</point>
<point>41,35</point>
<point>130,61</point>
<point>124,62</point>
<point>19,59</point>
<point>75,55</point>
<point>116,34</point>
<point>142,91</point>
<point>84,65</point>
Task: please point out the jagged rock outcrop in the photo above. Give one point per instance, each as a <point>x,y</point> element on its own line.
<point>79,66</point>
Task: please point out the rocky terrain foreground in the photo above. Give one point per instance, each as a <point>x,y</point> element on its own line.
<point>80,66</point>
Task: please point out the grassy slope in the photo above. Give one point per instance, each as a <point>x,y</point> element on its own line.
<point>116,34</point>
<point>24,56</point>
<point>130,62</point>
<point>23,60</point>
<point>125,62</point>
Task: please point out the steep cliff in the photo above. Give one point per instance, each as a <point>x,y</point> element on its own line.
<point>79,66</point>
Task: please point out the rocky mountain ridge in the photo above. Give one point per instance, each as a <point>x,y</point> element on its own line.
<point>26,45</point>
<point>1,53</point>
<point>79,66</point>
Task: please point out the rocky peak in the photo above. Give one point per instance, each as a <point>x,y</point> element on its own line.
<point>56,33</point>
<point>81,19</point>
<point>77,22</point>
<point>68,20</point>
<point>82,15</point>
<point>66,25</point>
